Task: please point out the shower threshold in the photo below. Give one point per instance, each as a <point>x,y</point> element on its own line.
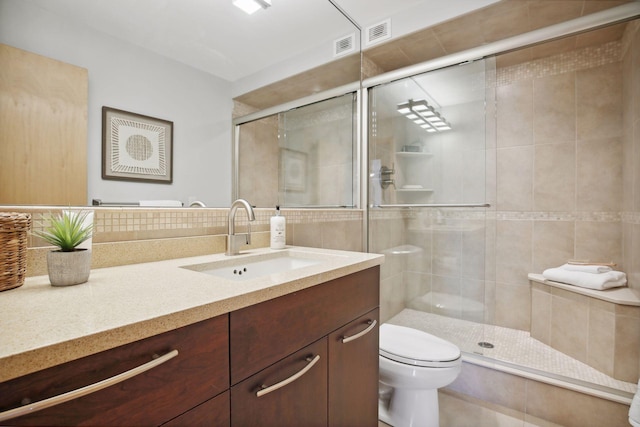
<point>516,352</point>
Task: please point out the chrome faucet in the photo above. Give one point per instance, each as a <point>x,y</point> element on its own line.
<point>235,241</point>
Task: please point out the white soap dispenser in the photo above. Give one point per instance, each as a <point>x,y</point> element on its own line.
<point>278,230</point>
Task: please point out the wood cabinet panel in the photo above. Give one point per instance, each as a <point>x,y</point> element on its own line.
<point>43,130</point>
<point>264,333</point>
<point>212,413</point>
<point>353,374</point>
<point>300,403</point>
<point>199,372</point>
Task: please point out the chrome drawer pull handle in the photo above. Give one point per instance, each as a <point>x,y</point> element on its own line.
<point>372,324</point>
<point>86,390</point>
<point>266,390</point>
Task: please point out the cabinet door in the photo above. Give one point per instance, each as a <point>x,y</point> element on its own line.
<point>264,333</point>
<point>301,402</point>
<point>198,373</point>
<point>212,413</point>
<point>353,373</point>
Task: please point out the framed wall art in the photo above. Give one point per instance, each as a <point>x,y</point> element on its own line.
<point>293,170</point>
<point>136,147</point>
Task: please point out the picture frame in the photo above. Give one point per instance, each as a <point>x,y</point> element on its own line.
<point>293,170</point>
<point>136,147</point>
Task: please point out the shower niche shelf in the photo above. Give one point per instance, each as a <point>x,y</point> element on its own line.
<point>414,190</point>
<point>415,176</point>
<point>412,154</point>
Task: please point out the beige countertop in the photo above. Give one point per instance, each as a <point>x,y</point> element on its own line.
<point>42,325</point>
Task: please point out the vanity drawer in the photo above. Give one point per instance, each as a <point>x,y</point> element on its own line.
<point>264,400</point>
<point>197,373</point>
<point>264,333</point>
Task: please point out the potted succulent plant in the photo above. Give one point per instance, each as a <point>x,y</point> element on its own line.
<point>69,265</point>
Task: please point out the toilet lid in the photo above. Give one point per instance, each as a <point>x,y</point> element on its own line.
<point>414,347</point>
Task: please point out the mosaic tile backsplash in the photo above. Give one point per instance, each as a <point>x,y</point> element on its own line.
<point>130,235</point>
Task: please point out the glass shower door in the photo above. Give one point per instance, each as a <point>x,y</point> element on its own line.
<point>428,201</point>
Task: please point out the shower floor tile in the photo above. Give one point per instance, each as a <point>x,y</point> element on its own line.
<point>509,345</point>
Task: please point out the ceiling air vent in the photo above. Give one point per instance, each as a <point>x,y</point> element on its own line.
<point>378,32</point>
<point>344,45</point>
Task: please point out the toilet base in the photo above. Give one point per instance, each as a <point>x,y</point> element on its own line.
<point>410,408</point>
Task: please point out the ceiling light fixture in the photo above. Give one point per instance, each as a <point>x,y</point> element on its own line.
<point>424,115</point>
<point>250,6</point>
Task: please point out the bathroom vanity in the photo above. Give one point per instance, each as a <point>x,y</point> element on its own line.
<point>293,348</point>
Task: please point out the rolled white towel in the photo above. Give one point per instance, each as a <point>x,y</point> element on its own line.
<point>161,203</point>
<point>592,268</point>
<point>610,279</point>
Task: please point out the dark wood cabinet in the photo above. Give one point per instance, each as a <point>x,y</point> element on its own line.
<point>198,372</point>
<point>264,333</point>
<point>212,413</point>
<point>302,402</point>
<point>353,373</point>
<point>309,358</point>
<point>275,338</point>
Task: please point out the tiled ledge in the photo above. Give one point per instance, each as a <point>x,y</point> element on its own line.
<point>621,296</point>
<point>599,328</point>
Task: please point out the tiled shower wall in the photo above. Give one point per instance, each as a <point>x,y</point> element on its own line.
<point>631,163</point>
<point>559,191</point>
<point>565,187</point>
<point>631,153</point>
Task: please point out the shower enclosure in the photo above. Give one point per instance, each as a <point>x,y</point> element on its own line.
<point>435,211</point>
<point>428,197</point>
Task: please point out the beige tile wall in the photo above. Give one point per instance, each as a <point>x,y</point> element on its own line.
<point>631,174</point>
<point>559,169</point>
<point>631,153</point>
<point>599,333</point>
<point>258,181</point>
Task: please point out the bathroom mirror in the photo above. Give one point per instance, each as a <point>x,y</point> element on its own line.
<point>302,157</point>
<point>184,62</point>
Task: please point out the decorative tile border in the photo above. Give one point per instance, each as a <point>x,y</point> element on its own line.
<point>123,224</point>
<point>559,216</point>
<point>480,214</point>
<point>580,59</point>
<point>631,218</point>
<point>128,224</point>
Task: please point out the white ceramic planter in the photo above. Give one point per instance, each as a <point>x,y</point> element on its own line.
<point>69,268</point>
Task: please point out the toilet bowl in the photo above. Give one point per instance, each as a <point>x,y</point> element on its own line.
<point>413,365</point>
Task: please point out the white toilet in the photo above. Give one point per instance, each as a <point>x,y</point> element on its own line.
<point>413,365</point>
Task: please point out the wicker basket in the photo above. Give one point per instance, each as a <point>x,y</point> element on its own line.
<point>13,248</point>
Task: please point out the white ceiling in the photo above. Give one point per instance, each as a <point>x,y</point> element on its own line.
<point>216,37</point>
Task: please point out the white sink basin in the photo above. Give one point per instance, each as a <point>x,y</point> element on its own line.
<point>248,268</point>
